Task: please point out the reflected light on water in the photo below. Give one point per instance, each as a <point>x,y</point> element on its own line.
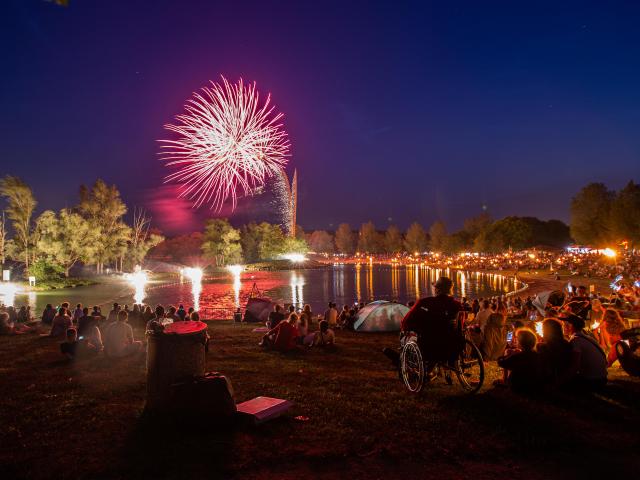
<point>195,275</point>
<point>297,290</point>
<point>138,279</point>
<point>463,284</point>
<point>236,271</point>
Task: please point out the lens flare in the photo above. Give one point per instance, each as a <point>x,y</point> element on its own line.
<point>228,144</point>
<point>195,275</point>
<point>139,280</point>
<point>236,271</point>
<point>8,294</point>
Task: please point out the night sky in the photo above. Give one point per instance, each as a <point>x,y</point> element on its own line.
<point>402,111</point>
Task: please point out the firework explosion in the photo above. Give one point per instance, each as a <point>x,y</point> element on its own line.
<point>228,144</point>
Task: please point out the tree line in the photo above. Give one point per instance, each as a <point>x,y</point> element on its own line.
<point>93,232</point>
<point>602,217</point>
<point>222,244</point>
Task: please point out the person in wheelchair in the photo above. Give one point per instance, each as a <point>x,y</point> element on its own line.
<point>435,321</point>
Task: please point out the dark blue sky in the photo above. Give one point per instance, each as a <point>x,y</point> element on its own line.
<point>410,111</point>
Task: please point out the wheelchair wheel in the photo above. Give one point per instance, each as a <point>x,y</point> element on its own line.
<point>412,367</point>
<point>470,367</point>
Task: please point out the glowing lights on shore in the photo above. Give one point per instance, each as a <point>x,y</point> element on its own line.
<point>294,257</point>
<point>138,279</point>
<point>8,294</point>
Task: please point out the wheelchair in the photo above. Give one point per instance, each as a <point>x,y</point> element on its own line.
<point>468,365</point>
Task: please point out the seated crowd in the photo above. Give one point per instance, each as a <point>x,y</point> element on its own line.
<point>87,332</point>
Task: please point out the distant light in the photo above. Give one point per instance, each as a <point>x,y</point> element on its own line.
<point>294,257</point>
<point>236,270</point>
<point>138,279</point>
<point>608,252</point>
<point>193,274</point>
<point>7,293</point>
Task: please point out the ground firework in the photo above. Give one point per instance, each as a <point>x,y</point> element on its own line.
<point>227,145</point>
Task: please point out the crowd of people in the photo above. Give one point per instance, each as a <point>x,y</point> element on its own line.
<point>88,332</point>
<point>292,330</point>
<point>567,342</point>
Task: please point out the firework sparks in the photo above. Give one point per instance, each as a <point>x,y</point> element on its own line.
<point>228,144</point>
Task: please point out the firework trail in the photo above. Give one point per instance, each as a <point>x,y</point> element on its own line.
<point>228,144</point>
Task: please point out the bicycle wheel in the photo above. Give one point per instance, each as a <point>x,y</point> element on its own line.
<point>412,367</point>
<point>470,367</point>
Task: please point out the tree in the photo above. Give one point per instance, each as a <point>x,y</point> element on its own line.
<point>249,239</point>
<point>590,210</point>
<point>369,240</point>
<point>221,242</point>
<point>20,206</point>
<point>102,206</point>
<point>264,241</point>
<point>437,233</point>
<point>415,240</point>
<point>321,242</point>
<point>625,214</point>
<point>142,239</point>
<point>345,240</point>
<point>393,240</point>
<point>271,241</point>
<point>295,245</point>
<point>64,239</point>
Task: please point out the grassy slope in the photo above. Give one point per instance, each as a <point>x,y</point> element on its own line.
<point>60,420</point>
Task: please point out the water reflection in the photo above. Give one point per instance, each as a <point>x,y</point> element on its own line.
<point>224,292</point>
<point>297,290</point>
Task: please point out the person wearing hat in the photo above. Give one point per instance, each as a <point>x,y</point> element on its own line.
<point>588,362</point>
<point>434,319</point>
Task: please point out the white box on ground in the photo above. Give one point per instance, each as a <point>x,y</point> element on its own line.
<point>262,409</point>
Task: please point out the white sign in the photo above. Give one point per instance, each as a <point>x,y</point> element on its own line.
<point>6,275</point>
<point>32,281</point>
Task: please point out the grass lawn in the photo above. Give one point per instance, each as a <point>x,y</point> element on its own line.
<point>61,420</point>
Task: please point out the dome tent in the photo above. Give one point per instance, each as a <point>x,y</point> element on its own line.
<point>380,316</point>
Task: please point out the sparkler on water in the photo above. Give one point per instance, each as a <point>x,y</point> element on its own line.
<point>228,144</point>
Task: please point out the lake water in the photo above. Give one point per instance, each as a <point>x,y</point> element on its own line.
<point>220,294</point>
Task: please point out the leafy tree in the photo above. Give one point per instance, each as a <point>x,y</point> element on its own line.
<point>345,240</point>
<point>221,242</point>
<point>455,242</point>
<point>437,233</point>
<point>392,242</point>
<point>20,206</point>
<point>415,239</point>
<point>590,210</point>
<point>249,239</point>
<point>271,241</point>
<point>321,241</point>
<point>369,240</point>
<point>296,245</point>
<point>102,206</point>
<point>63,239</point>
<point>625,214</point>
<point>264,241</point>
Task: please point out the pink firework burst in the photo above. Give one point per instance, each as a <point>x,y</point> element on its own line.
<point>228,144</point>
